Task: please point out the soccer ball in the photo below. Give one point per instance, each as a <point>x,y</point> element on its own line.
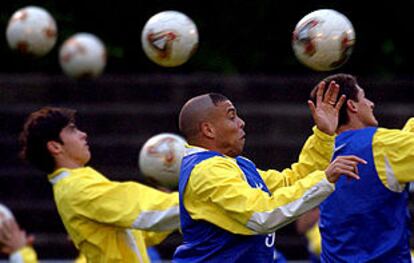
<point>5,213</point>
<point>323,40</point>
<point>169,38</point>
<point>82,56</point>
<point>31,31</point>
<point>160,158</point>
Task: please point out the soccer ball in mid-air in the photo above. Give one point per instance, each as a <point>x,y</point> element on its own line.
<point>31,31</point>
<point>5,213</point>
<point>323,40</point>
<point>82,56</point>
<point>169,38</point>
<point>160,158</point>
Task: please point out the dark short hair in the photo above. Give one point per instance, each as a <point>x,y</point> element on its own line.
<point>216,98</point>
<point>348,86</point>
<point>39,128</point>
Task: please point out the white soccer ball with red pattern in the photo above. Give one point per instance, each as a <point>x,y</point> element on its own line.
<point>160,158</point>
<point>323,40</point>
<point>83,56</point>
<point>169,38</point>
<point>31,31</point>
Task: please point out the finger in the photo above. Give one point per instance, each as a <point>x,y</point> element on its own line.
<point>331,93</point>
<point>319,92</point>
<point>5,250</point>
<point>351,175</point>
<point>7,228</point>
<point>312,108</point>
<point>351,158</point>
<point>358,159</point>
<point>30,240</point>
<point>340,102</point>
<point>341,168</point>
<point>348,173</point>
<point>347,162</point>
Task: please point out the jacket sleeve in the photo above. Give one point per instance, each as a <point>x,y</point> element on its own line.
<point>24,255</point>
<point>393,152</point>
<point>316,154</point>
<point>216,192</point>
<point>126,204</point>
<point>154,238</point>
<point>409,125</point>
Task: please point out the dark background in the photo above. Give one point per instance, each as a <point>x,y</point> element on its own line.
<point>242,37</point>
<point>244,52</point>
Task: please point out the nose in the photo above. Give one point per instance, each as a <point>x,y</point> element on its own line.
<point>83,135</point>
<point>241,123</point>
<point>372,104</point>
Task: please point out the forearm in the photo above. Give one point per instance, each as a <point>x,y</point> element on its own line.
<point>315,155</point>
<point>291,202</point>
<point>128,205</point>
<point>238,208</point>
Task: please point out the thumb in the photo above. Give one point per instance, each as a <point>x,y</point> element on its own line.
<point>312,108</point>
<point>30,240</point>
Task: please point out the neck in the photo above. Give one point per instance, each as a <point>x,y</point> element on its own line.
<point>352,125</point>
<point>206,144</point>
<point>69,164</point>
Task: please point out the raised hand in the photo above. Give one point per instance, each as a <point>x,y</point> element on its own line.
<point>12,238</point>
<point>344,165</point>
<point>326,111</point>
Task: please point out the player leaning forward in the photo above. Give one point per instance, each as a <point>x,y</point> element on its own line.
<point>229,209</point>
<point>101,216</point>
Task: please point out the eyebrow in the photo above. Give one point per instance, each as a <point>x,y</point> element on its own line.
<point>71,125</point>
<point>232,109</point>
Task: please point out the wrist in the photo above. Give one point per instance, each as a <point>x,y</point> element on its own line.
<point>323,135</point>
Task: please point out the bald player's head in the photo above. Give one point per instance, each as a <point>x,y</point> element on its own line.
<point>196,111</point>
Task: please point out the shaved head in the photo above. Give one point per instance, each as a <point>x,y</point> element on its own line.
<point>197,110</point>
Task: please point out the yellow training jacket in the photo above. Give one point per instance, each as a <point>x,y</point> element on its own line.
<point>24,255</point>
<point>217,191</point>
<point>393,152</point>
<point>101,215</point>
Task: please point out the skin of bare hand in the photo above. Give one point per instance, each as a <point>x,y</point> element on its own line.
<point>12,238</point>
<point>326,110</point>
<point>344,165</point>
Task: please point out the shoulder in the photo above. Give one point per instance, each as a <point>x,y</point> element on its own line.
<point>80,180</point>
<point>215,169</point>
<point>216,162</point>
<point>386,137</point>
<point>409,125</point>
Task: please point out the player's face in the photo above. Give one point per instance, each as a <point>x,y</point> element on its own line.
<point>366,109</point>
<point>75,148</point>
<point>229,129</point>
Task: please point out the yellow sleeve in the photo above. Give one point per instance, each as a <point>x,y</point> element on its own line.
<point>126,204</point>
<point>409,125</point>
<point>313,236</point>
<point>80,259</point>
<point>154,238</point>
<point>316,154</point>
<point>393,152</point>
<point>216,192</point>
<point>24,255</point>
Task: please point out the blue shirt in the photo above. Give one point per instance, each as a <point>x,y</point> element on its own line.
<point>364,221</point>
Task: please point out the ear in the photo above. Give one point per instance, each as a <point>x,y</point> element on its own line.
<point>351,106</point>
<point>207,130</point>
<point>54,147</point>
